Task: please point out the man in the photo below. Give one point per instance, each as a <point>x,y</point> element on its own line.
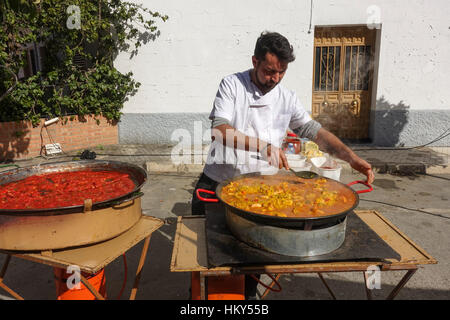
<point>250,116</point>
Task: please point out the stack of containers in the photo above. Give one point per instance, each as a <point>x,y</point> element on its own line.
<point>292,148</point>
<point>326,166</point>
<point>322,163</point>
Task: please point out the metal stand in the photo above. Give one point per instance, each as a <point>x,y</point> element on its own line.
<point>401,284</point>
<point>92,258</point>
<point>190,255</point>
<point>4,286</point>
<point>391,295</point>
<point>326,285</point>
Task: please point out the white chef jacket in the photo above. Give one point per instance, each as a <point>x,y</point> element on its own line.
<point>265,117</point>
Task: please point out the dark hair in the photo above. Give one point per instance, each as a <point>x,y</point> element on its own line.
<point>275,43</point>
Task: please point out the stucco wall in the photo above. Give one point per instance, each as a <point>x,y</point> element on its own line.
<point>205,40</point>
<point>393,127</point>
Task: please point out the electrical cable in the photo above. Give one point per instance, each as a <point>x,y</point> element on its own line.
<point>138,155</point>
<point>42,143</point>
<point>51,139</point>
<point>440,137</point>
<point>443,135</point>
<point>124,277</point>
<point>410,209</point>
<point>9,165</point>
<point>269,287</point>
<point>434,176</point>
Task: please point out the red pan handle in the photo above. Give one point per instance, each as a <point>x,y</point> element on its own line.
<point>205,199</point>
<point>362,182</point>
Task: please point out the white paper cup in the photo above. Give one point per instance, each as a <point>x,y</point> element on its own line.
<point>296,160</point>
<point>318,161</point>
<point>330,172</point>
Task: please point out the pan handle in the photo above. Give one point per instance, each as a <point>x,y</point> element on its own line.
<point>206,199</point>
<point>362,182</point>
<point>134,196</point>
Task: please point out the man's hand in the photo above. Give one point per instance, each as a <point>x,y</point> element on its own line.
<point>336,148</point>
<point>276,157</point>
<point>364,167</point>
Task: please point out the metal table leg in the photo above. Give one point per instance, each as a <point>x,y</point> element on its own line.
<point>136,280</point>
<point>368,292</point>
<point>88,285</point>
<point>277,277</point>
<point>203,284</point>
<point>139,269</point>
<point>401,284</point>
<point>82,278</point>
<point>326,285</point>
<point>4,286</point>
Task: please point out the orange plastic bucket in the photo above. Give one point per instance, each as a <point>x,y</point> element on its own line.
<point>219,287</point>
<point>97,280</point>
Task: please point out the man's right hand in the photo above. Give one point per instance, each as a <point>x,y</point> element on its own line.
<point>276,157</point>
<point>231,137</point>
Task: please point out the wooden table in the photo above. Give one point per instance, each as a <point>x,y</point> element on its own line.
<point>93,258</point>
<point>189,255</point>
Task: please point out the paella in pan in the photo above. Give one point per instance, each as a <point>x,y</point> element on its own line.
<point>288,196</point>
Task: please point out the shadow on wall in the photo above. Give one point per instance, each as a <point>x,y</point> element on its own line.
<point>14,140</point>
<point>389,121</point>
<point>143,37</point>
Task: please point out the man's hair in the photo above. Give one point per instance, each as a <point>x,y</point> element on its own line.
<point>275,43</point>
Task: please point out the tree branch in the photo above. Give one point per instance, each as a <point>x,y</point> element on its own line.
<point>3,96</point>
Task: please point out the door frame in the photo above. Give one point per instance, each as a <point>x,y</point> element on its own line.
<point>374,80</point>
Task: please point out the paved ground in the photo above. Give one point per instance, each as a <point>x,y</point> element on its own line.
<point>416,203</point>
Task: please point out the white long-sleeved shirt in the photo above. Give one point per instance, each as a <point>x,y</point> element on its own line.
<point>264,116</point>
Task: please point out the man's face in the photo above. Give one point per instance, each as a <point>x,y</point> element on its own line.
<point>268,72</point>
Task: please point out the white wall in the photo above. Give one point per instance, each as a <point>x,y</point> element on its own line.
<point>415,46</point>
<point>205,40</point>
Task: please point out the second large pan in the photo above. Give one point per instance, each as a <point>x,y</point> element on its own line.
<point>285,222</point>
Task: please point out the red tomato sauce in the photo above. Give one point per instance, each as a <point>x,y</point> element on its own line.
<point>64,189</point>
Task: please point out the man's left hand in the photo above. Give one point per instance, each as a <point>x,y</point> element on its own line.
<point>336,148</point>
<point>364,167</point>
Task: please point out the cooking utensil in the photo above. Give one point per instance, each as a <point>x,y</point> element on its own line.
<point>63,227</point>
<point>304,174</point>
<point>300,174</point>
<point>137,174</point>
<point>288,222</point>
<point>286,241</point>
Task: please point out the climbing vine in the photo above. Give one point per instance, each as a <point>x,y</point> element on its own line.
<point>78,41</point>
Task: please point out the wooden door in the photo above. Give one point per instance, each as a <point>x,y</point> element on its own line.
<point>342,80</point>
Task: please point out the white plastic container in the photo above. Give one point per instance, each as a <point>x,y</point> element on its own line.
<point>318,161</point>
<point>330,169</point>
<point>296,160</point>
